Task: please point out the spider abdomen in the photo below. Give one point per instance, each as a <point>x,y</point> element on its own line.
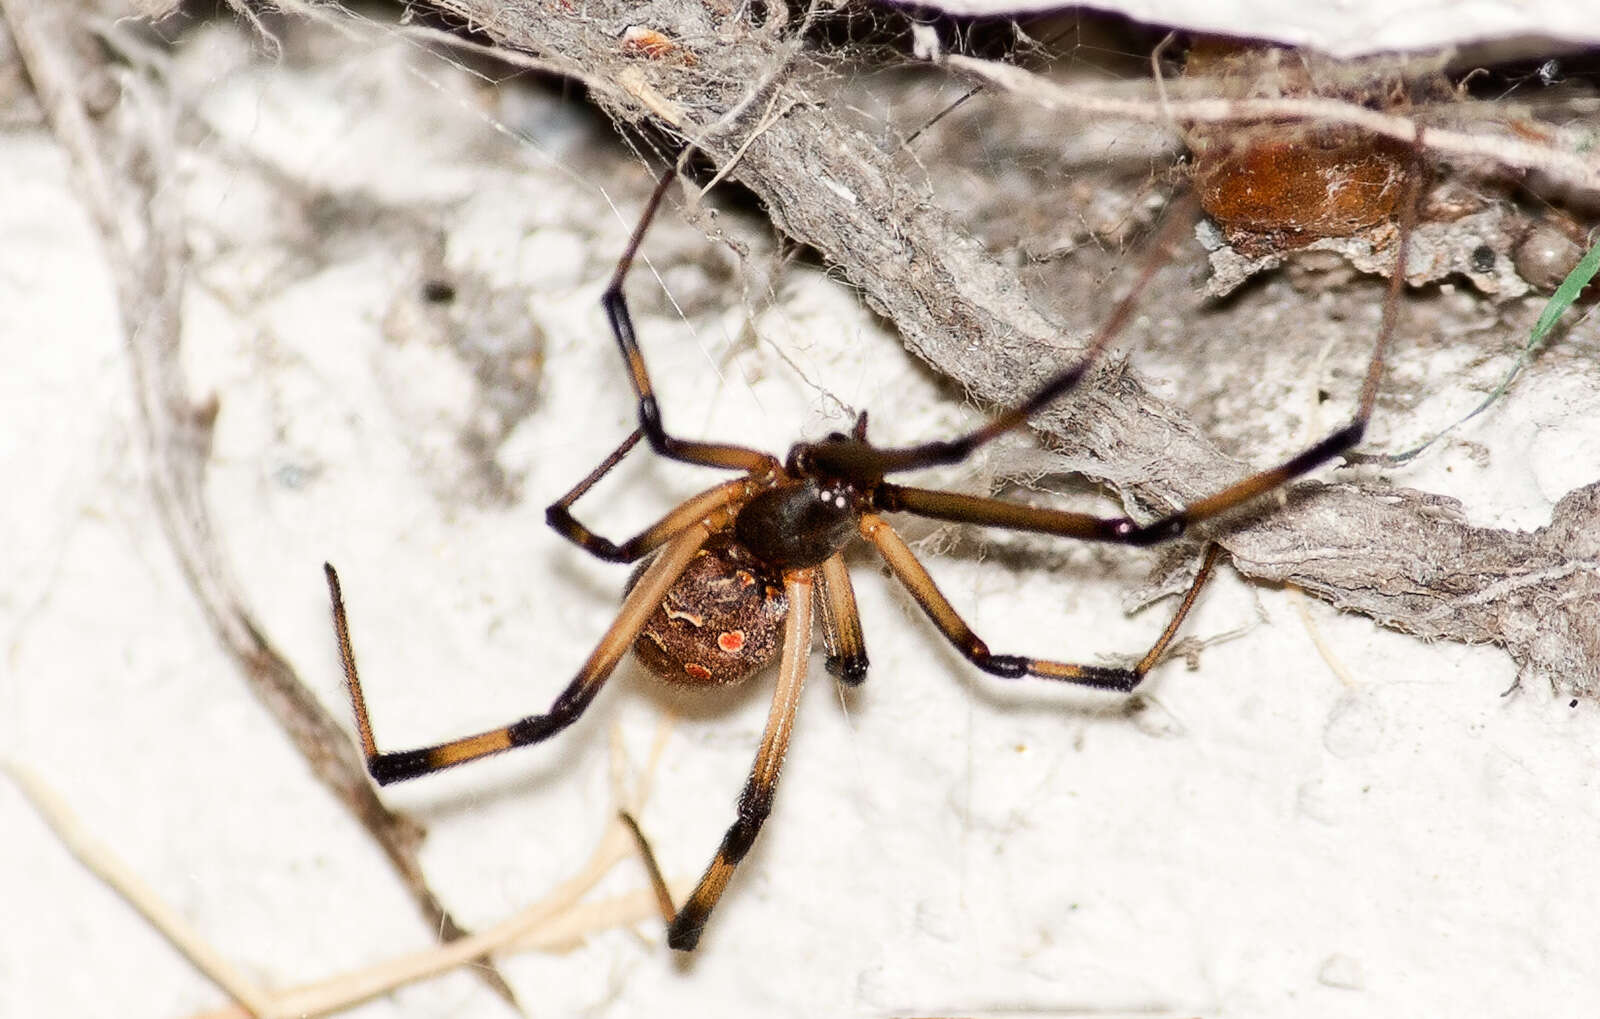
<point>719,622</point>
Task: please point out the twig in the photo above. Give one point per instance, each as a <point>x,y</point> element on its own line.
<point>544,924</point>
<point>1566,164</point>
<point>554,921</point>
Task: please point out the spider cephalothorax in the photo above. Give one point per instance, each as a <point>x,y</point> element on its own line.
<point>731,577</point>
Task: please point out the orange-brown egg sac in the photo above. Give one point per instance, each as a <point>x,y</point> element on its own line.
<point>1275,186</point>
<point>720,622</point>
<point>1294,190</point>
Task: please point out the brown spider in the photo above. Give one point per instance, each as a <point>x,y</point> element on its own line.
<point>734,574</point>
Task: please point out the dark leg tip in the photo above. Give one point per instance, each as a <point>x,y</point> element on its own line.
<point>388,768</point>
<point>684,934</point>
<point>849,671</point>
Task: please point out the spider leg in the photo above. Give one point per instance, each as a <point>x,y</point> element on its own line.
<point>755,802</point>
<point>990,512</point>
<point>559,513</point>
<point>842,639</point>
<point>915,577</point>
<point>954,450</point>
<point>949,451</point>
<point>395,766</point>
<point>558,516</point>
<point>1125,530</point>
<point>707,454</point>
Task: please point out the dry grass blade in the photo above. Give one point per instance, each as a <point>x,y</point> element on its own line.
<point>557,921</point>
<point>108,867</point>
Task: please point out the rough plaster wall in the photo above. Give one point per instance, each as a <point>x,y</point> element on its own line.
<point>1365,827</point>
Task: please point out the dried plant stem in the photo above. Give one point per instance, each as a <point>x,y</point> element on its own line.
<point>555,921</point>
<point>1562,157</point>
<point>108,867</point>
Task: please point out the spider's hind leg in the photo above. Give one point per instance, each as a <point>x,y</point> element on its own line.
<point>915,577</point>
